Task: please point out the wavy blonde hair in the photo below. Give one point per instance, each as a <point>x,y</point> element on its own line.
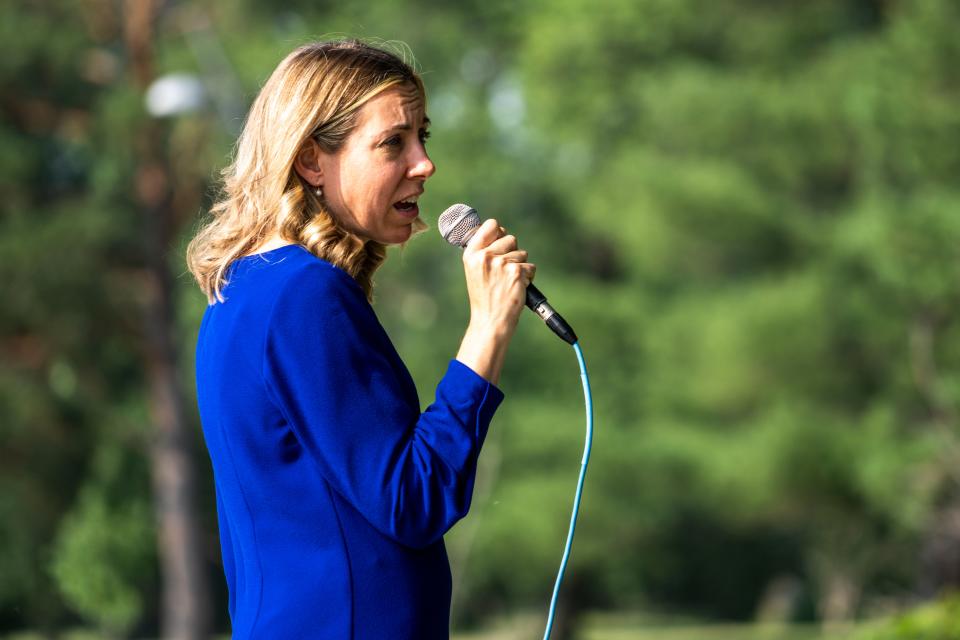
<point>315,92</point>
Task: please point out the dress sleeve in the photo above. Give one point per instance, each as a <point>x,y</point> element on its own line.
<point>330,368</point>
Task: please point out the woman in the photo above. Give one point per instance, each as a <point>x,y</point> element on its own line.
<point>333,490</point>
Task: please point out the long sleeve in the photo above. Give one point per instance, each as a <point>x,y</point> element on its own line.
<point>333,373</point>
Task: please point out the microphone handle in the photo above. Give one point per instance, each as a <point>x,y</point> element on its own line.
<point>539,305</point>
<point>537,302</point>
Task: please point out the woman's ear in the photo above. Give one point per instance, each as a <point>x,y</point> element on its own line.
<point>307,163</point>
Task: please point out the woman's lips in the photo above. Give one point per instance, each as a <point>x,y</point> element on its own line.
<point>410,211</point>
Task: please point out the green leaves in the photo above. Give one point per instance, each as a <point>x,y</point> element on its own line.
<point>748,211</point>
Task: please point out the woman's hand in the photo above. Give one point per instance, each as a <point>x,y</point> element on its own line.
<point>497,277</point>
<point>497,274</point>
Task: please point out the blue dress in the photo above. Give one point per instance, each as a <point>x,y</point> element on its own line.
<point>333,490</point>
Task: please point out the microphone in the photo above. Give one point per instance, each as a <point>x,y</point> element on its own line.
<point>458,224</point>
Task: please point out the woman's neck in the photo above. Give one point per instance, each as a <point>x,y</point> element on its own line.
<point>273,242</point>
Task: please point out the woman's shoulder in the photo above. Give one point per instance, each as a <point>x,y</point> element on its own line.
<point>305,282</point>
<point>292,265</point>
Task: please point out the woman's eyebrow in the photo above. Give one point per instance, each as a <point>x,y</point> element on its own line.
<point>403,126</point>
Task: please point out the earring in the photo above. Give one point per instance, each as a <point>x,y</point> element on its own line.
<point>318,191</point>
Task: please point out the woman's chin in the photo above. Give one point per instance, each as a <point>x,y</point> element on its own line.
<point>399,235</point>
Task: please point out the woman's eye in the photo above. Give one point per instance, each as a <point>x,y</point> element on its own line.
<point>392,142</point>
<point>424,136</point>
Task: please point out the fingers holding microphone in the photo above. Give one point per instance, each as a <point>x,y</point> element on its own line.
<point>458,225</point>
<point>483,235</point>
<point>497,274</point>
<point>499,245</point>
<point>528,271</point>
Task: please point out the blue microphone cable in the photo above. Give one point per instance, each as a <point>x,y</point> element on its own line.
<point>457,224</point>
<point>588,401</point>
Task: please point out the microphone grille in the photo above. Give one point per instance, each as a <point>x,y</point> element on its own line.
<point>457,223</point>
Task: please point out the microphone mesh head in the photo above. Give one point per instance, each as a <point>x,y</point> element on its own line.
<point>458,223</point>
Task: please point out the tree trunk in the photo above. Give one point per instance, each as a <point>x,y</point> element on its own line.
<point>838,602</point>
<point>571,605</point>
<point>185,598</point>
<point>185,607</point>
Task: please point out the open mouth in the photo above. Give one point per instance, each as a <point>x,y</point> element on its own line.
<point>407,206</point>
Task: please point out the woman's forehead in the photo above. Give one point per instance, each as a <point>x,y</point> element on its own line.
<point>394,106</point>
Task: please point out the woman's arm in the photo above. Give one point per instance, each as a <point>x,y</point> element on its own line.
<point>497,277</point>
<point>341,388</point>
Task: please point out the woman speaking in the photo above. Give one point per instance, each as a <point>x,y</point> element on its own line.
<point>333,490</point>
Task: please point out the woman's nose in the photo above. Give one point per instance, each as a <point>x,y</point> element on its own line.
<point>421,166</point>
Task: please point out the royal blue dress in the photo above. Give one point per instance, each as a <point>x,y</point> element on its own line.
<point>333,489</point>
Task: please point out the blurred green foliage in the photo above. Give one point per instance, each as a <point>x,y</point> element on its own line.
<point>937,621</point>
<point>749,211</point>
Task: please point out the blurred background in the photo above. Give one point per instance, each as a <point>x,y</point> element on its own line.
<point>749,211</point>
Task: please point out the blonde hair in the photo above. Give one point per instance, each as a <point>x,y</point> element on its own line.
<point>315,92</point>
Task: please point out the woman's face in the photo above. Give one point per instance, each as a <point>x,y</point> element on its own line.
<point>372,183</point>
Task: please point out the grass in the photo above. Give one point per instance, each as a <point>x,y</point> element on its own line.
<point>597,626</point>
<point>635,627</point>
